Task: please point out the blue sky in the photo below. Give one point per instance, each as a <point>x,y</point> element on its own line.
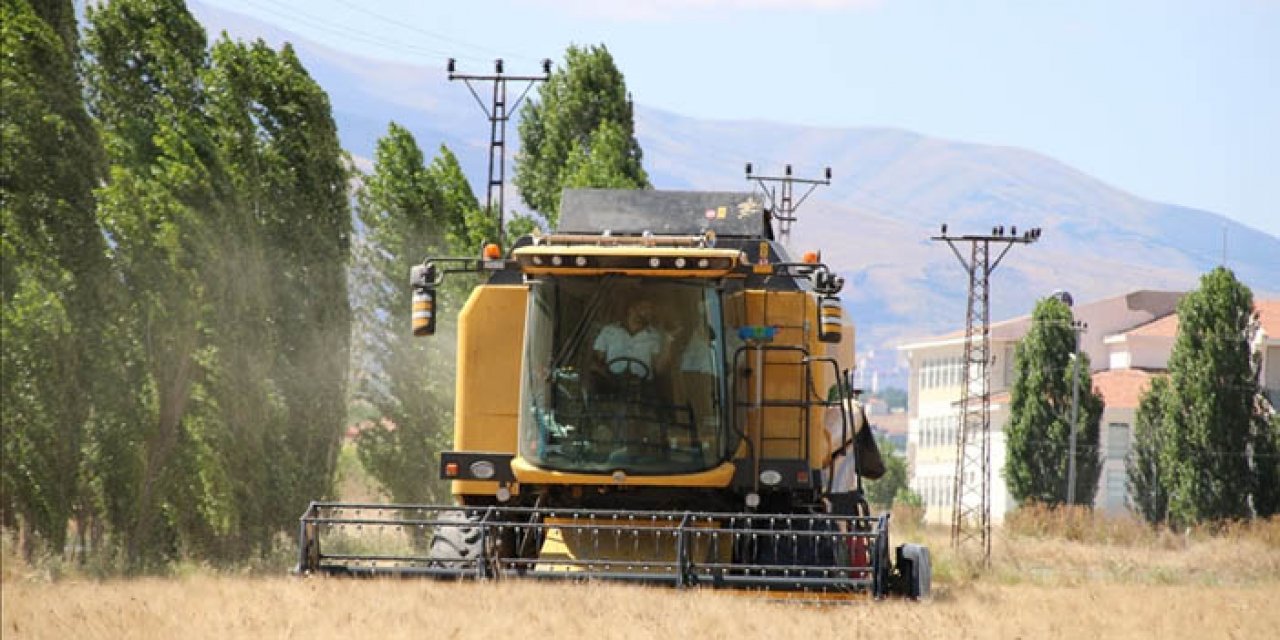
<point>1173,101</point>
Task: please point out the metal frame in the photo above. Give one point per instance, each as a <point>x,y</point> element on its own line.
<point>785,206</point>
<point>695,542</point>
<point>498,116</point>
<point>971,497</point>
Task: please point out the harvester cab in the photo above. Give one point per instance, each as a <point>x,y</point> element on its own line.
<point>654,392</point>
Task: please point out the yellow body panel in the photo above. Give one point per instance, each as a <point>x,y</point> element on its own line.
<point>490,354</point>
<point>777,432</point>
<point>530,474</point>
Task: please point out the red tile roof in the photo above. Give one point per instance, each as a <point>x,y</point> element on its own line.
<point>1122,388</point>
<point>1270,310</point>
<point>1167,327</point>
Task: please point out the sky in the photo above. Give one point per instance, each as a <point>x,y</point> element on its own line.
<point>1173,101</point>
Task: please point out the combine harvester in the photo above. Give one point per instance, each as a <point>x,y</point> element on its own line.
<point>650,394</point>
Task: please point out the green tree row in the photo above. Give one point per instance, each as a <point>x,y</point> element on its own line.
<point>176,239</point>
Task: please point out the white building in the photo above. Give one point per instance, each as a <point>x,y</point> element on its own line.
<point>1129,340</point>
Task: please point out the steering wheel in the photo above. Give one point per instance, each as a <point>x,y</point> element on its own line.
<point>627,369</point>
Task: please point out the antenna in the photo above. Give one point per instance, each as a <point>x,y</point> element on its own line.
<point>498,114</point>
<point>971,492</point>
<point>784,205</point>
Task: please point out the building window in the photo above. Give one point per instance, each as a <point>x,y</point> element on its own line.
<point>1117,441</point>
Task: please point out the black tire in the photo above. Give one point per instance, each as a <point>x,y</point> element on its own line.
<point>457,541</point>
<point>914,571</point>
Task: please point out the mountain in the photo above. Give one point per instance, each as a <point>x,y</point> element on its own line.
<point>891,191</point>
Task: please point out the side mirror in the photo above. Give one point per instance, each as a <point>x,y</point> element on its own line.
<point>422,278</point>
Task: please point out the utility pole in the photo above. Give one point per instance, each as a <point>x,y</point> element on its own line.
<point>498,114</point>
<point>784,205</point>
<point>971,492</point>
<point>1077,328</point>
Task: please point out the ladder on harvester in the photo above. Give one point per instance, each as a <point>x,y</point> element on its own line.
<point>778,424</point>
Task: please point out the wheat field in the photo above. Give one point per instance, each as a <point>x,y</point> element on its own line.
<point>1050,578</point>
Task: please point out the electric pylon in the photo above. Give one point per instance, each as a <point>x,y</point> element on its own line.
<point>783,207</point>
<point>498,114</point>
<point>971,490</point>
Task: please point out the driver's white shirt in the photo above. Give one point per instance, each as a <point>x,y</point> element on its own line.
<point>616,342</point>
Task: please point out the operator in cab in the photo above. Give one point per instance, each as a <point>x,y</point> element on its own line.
<point>632,348</point>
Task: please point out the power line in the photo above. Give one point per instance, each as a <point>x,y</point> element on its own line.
<point>281,10</point>
<point>485,52</point>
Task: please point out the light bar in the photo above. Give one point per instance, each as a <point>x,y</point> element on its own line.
<point>632,260</point>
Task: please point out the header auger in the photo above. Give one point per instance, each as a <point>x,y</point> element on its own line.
<point>653,393</point>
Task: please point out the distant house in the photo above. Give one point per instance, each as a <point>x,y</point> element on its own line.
<point>1268,344</point>
<point>1129,341</point>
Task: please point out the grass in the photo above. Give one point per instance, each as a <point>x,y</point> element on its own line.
<point>1053,574</point>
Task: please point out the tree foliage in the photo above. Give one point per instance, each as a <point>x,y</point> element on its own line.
<point>466,226</point>
<point>282,315</point>
<point>409,210</point>
<point>56,285</point>
<point>175,339</point>
<point>893,485</point>
<point>1039,428</point>
<point>1207,451</point>
<point>1147,493</point>
<point>158,206</point>
<point>579,132</point>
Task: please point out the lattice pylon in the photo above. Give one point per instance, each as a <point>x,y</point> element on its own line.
<point>971,485</point>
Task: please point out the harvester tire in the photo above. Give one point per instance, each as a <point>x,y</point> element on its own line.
<point>914,571</point>
<point>457,540</point>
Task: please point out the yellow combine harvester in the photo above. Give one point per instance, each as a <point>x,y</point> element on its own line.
<point>653,393</point>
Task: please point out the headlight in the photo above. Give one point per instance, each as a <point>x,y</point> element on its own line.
<point>482,469</point>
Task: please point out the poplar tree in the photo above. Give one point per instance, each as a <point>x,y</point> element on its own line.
<point>306,230</point>
<point>1212,426</point>
<point>406,217</point>
<point>1144,467</point>
<point>605,161</point>
<point>464,221</point>
<point>566,119</point>
<point>147,61</point>
<point>1039,428</point>
<point>54,281</point>
<point>286,221</point>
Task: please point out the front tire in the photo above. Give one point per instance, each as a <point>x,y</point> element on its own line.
<point>457,542</point>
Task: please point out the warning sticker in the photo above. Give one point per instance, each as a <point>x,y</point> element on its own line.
<point>711,214</point>
<point>722,212</point>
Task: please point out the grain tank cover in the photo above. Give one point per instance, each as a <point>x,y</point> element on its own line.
<point>634,211</point>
